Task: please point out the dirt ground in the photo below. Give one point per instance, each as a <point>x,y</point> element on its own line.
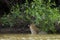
<point>29,37</point>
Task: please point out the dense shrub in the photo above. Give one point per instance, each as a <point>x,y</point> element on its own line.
<point>42,15</point>
<point>38,13</point>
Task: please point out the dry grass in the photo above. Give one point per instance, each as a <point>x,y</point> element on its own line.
<point>28,37</point>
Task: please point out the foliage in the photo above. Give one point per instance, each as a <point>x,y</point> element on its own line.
<point>44,15</point>
<point>37,12</point>
<point>11,18</point>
